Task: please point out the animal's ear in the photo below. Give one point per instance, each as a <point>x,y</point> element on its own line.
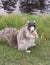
<point>31,21</point>
<point>34,21</point>
<point>28,21</point>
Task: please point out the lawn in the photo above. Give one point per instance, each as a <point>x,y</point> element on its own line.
<point>40,54</point>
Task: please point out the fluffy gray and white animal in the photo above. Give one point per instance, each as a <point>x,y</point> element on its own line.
<point>22,39</point>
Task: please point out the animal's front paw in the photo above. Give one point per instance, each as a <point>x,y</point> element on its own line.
<point>34,44</point>
<point>28,51</point>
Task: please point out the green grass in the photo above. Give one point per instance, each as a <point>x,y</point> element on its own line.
<point>40,54</point>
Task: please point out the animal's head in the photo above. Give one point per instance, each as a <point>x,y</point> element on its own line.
<point>32,29</point>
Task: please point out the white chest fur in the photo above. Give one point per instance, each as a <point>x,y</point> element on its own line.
<point>25,44</point>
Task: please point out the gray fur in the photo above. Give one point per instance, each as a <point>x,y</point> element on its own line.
<point>21,39</point>
<point>9,34</point>
<point>25,39</point>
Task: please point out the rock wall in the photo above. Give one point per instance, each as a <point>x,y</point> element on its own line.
<point>47,6</point>
<point>26,6</point>
<point>9,5</point>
